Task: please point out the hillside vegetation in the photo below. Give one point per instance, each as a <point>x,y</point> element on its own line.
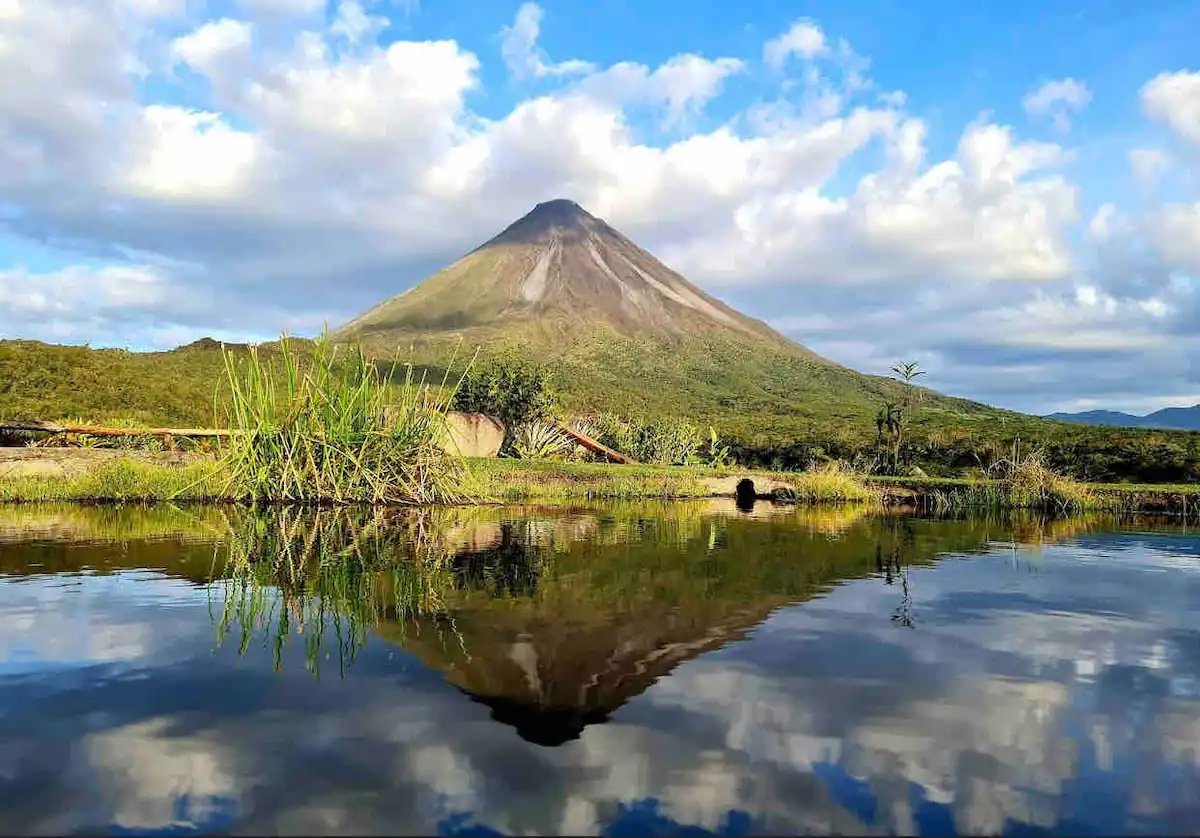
<point>777,411</point>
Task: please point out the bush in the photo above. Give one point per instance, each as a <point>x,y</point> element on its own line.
<point>540,441</point>
<point>512,389</point>
<point>673,442</point>
<point>831,482</point>
<point>1033,484</point>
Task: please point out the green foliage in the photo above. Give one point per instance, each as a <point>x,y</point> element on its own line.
<point>717,453</point>
<point>675,442</point>
<point>509,387</point>
<point>547,481</point>
<point>831,483</point>
<point>111,386</point>
<point>540,441</point>
<point>329,427</point>
<point>121,481</point>
<point>892,420</point>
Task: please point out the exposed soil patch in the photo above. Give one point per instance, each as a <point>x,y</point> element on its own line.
<point>70,462</point>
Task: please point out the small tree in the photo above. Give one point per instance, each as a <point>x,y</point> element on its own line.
<point>509,387</point>
<point>892,418</point>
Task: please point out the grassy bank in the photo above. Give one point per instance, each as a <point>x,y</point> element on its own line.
<point>936,494</point>
<point>519,481</point>
<point>123,481</point>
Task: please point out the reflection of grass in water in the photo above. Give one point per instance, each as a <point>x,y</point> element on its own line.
<point>332,572</point>
<point>78,522</point>
<point>331,576</point>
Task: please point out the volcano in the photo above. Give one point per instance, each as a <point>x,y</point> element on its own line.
<point>556,265</point>
<point>626,332</point>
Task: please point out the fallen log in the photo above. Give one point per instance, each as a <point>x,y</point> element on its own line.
<point>595,446</point>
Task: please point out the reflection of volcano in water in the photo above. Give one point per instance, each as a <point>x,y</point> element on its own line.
<point>550,681</point>
<point>556,623</point>
<point>552,618</point>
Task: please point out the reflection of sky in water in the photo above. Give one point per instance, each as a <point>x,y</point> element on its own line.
<point>1053,691</point>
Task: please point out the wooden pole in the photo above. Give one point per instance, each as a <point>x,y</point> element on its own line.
<point>595,446</point>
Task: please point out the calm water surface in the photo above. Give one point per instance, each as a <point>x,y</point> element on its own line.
<point>638,669</point>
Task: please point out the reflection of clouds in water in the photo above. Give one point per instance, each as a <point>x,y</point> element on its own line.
<point>447,772</point>
<point>83,619</point>
<point>146,773</point>
<point>1003,700</point>
<point>993,751</point>
<point>1178,732</point>
<point>968,747</point>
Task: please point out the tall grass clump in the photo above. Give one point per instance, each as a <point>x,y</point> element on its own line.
<point>831,483</point>
<point>1032,484</point>
<point>1018,483</point>
<point>662,441</point>
<point>330,427</point>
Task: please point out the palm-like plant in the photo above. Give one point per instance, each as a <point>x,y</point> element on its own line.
<point>540,441</point>
<point>891,419</point>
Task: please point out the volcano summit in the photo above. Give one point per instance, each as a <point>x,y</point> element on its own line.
<point>626,332</point>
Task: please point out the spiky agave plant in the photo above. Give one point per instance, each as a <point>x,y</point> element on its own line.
<point>540,441</point>
<point>331,427</point>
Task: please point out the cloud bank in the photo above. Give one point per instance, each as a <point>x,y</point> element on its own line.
<point>287,165</point>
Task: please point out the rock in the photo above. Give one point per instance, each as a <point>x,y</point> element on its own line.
<point>473,435</point>
<point>760,486</point>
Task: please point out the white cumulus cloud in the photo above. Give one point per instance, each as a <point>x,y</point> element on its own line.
<point>522,55</point>
<point>1057,100</point>
<point>804,38</point>
<point>1174,98</point>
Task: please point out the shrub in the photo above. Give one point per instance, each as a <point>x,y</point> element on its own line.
<point>1033,484</point>
<point>657,442</point>
<point>508,387</point>
<point>831,482</point>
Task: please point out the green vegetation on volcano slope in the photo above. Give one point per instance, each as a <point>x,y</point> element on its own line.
<point>50,382</point>
<point>780,410</point>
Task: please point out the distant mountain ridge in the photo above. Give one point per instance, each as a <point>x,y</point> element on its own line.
<point>1167,419</point>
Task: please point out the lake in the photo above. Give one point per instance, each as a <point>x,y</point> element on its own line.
<point>620,669</point>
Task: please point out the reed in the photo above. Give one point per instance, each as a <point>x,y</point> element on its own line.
<point>1034,485</point>
<point>329,427</point>
<point>831,483</point>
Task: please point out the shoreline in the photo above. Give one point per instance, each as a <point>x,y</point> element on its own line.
<point>30,475</point>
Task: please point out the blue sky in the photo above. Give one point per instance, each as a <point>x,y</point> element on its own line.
<point>1007,193</point>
